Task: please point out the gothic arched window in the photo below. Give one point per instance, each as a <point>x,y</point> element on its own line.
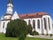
<point>45,23</point>
<point>29,22</point>
<point>3,24</point>
<point>38,23</point>
<point>34,24</point>
<point>49,23</point>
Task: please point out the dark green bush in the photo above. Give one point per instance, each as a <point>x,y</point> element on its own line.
<point>34,33</point>
<point>15,27</point>
<point>18,28</point>
<point>50,34</point>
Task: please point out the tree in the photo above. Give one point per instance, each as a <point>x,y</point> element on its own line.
<point>29,29</point>
<point>17,28</point>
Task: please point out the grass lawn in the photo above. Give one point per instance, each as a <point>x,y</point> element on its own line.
<point>2,37</point>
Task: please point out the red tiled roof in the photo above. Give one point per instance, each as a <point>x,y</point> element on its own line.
<point>33,15</point>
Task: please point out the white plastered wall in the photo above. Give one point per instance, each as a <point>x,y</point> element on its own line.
<point>3,30</point>
<point>36,25</point>
<point>49,30</point>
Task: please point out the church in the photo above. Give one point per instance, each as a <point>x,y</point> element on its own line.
<point>40,21</point>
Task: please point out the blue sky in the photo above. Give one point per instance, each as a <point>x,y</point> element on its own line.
<point>28,6</point>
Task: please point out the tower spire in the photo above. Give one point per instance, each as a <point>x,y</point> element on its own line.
<point>9,7</point>
<point>9,10</point>
<point>10,1</point>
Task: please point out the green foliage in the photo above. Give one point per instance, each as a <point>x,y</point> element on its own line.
<point>22,37</point>
<point>15,28</point>
<point>11,28</point>
<point>29,29</point>
<point>18,28</point>
<point>50,34</point>
<point>34,33</point>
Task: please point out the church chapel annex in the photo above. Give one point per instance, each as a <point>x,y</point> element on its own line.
<point>40,21</point>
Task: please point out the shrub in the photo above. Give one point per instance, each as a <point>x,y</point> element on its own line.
<point>18,28</point>
<point>34,33</point>
<point>50,34</point>
<point>29,29</point>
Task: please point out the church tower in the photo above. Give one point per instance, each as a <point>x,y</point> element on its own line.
<point>7,17</point>
<point>9,11</point>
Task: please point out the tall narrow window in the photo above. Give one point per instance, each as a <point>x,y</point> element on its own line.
<point>49,23</point>
<point>38,23</point>
<point>29,22</point>
<point>34,24</point>
<point>3,24</point>
<point>45,23</point>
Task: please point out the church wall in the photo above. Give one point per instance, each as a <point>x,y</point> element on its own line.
<point>3,26</point>
<point>47,31</point>
<point>36,25</point>
<point>42,26</point>
<point>38,29</point>
<point>51,28</point>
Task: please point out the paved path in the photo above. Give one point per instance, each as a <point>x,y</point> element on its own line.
<point>41,36</point>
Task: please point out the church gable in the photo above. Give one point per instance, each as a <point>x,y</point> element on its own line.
<point>15,16</point>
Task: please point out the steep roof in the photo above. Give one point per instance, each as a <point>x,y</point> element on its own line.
<point>15,16</point>
<point>33,15</point>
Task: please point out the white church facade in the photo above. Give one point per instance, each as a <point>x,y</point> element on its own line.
<point>40,21</point>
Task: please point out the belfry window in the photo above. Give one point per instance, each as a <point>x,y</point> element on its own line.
<point>49,23</point>
<point>3,24</point>
<point>45,23</point>
<point>38,23</point>
<point>34,24</point>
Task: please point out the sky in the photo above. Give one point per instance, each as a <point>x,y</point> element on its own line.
<point>28,6</point>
